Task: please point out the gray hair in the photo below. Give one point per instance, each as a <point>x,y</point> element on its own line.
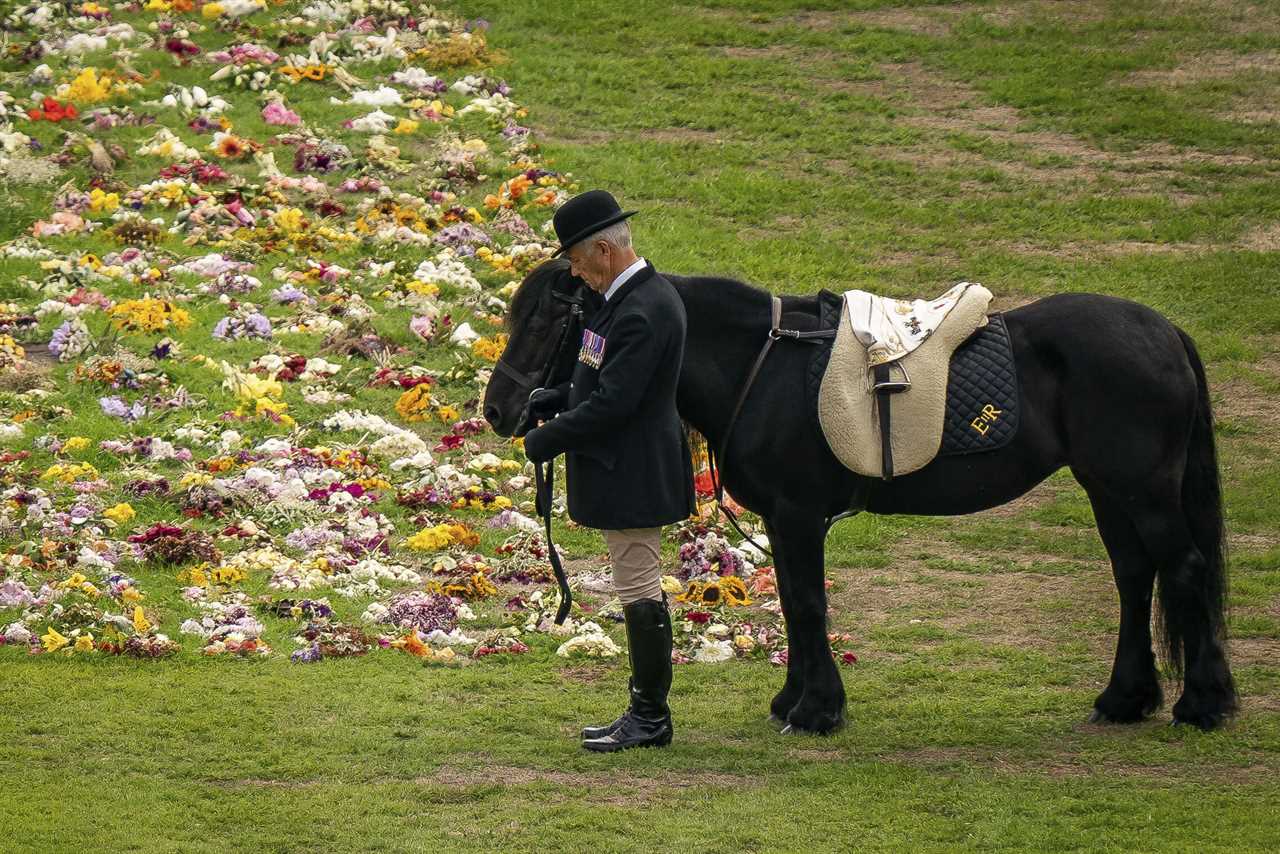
<point>619,234</point>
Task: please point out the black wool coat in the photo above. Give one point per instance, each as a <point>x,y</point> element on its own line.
<point>626,453</point>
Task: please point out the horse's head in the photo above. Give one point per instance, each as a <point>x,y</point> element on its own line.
<point>544,325</point>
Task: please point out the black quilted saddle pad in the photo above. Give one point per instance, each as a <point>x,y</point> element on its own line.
<point>982,393</point>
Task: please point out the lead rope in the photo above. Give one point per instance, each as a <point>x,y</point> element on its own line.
<point>543,490</point>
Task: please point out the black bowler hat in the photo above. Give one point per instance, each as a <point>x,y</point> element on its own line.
<point>584,215</point>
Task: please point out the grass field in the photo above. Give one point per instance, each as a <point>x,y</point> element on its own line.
<point>1130,148</point>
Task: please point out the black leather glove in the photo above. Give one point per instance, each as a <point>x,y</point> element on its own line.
<point>546,403</point>
<point>535,446</point>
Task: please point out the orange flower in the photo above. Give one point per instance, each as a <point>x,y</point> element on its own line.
<point>517,186</point>
<point>229,146</point>
<point>415,646</point>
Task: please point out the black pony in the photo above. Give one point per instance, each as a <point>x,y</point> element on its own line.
<point>1109,388</point>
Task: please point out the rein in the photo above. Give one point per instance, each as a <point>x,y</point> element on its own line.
<point>543,482</point>
<point>776,332</point>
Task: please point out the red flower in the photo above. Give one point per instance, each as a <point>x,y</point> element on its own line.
<point>699,617</point>
<point>52,111</point>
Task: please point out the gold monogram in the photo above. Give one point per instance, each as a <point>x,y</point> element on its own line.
<point>985,419</point>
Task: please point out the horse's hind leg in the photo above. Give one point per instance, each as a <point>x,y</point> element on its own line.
<point>1192,616</point>
<point>1134,690</point>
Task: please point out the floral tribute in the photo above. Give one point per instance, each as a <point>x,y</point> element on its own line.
<point>254,294</point>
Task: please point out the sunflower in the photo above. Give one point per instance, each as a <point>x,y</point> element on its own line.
<point>734,590</point>
<point>692,593</point>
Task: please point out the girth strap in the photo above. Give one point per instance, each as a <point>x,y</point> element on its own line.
<point>884,388</point>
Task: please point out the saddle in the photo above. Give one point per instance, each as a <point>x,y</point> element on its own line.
<point>884,393</point>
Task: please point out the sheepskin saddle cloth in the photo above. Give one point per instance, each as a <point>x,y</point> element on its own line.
<point>887,377</point>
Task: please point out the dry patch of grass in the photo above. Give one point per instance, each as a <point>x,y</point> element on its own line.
<point>1212,65</point>
<point>1067,762</point>
<point>939,20</point>
<point>606,787</point>
<point>1007,608</point>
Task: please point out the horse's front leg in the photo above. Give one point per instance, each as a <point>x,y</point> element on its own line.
<point>786,699</point>
<point>797,540</point>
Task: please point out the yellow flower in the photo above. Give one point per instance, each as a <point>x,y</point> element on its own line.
<point>129,593</point>
<point>87,88</point>
<point>141,624</point>
<point>289,220</point>
<point>418,287</point>
<point>84,643</point>
<point>148,315</point>
<point>489,349</point>
<point>195,478</point>
<point>105,202</point>
<point>52,641</point>
<point>414,403</point>
<point>69,473</point>
<point>443,536</point>
<point>211,10</point>
<point>120,514</point>
<point>75,443</point>
<point>671,584</point>
<point>448,413</point>
<point>406,126</point>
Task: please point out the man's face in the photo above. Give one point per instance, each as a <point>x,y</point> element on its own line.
<point>590,262</point>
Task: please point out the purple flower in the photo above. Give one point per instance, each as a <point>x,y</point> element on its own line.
<point>59,338</point>
<point>114,406</point>
<point>220,329</point>
<point>288,294</point>
<point>258,325</point>
<point>307,655</point>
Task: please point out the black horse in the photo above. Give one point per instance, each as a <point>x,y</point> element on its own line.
<point>1109,388</point>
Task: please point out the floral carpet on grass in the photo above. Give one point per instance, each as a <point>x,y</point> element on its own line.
<point>259,259</point>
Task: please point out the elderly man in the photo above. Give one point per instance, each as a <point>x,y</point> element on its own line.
<point>627,457</point>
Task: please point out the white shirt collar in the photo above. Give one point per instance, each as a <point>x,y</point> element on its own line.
<point>636,266</point>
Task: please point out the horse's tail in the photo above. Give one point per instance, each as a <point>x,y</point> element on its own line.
<point>1202,508</point>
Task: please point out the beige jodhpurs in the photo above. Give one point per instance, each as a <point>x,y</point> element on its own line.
<point>635,554</point>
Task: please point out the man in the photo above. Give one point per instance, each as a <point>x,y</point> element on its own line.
<point>627,457</point>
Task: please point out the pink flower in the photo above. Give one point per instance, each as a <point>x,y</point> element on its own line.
<point>422,327</point>
<point>276,113</point>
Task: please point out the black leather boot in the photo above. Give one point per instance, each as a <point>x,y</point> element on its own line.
<point>609,729</point>
<point>648,722</point>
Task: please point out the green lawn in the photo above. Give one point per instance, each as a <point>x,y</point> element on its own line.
<point>1130,148</point>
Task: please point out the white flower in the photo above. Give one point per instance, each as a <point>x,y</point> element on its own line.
<point>713,651</point>
<point>375,122</point>
<point>464,335</point>
<point>383,96</point>
<point>376,613</point>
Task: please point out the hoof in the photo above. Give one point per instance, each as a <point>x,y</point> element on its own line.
<point>812,721</point>
<point>1129,708</point>
<point>1204,723</point>
<point>777,720</point>
<point>1204,712</point>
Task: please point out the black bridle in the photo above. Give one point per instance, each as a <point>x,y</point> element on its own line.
<point>535,381</point>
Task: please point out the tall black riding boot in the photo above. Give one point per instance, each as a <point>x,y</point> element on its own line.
<point>648,722</point>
